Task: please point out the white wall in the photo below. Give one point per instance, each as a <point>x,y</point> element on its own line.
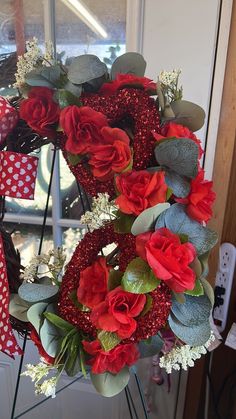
<point>182,34</point>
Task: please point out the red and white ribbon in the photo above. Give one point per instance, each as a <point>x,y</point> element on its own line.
<point>8,118</point>
<point>8,343</point>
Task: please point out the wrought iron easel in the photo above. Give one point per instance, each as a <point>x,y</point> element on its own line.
<point>132,409</point>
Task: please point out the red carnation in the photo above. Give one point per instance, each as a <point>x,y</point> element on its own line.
<point>117,312</point>
<point>36,339</point>
<point>140,190</point>
<point>126,80</point>
<point>93,283</point>
<point>171,130</point>
<point>40,111</point>
<point>82,127</point>
<point>200,199</point>
<point>113,156</point>
<point>168,258</point>
<point>111,361</point>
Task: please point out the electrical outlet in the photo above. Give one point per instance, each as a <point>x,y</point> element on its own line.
<point>223,284</point>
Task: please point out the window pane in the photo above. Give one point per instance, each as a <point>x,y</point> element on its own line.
<point>71,238</point>
<point>103,33</point>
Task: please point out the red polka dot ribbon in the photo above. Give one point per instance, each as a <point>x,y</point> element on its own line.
<point>8,343</point>
<point>17,175</point>
<point>8,118</point>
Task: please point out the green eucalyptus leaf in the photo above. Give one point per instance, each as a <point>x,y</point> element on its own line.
<point>75,89</point>
<point>194,335</point>
<point>194,311</point>
<point>129,63</point>
<point>179,155</point>
<point>44,76</point>
<point>18,308</point>
<point>204,262</point>
<point>86,68</point>
<point>109,384</point>
<point>123,222</point>
<point>176,220</point>
<point>94,85</point>
<point>108,340</point>
<point>179,297</point>
<point>49,335</point>
<point>35,315</point>
<point>208,290</point>
<point>197,290</point>
<point>34,293</point>
<point>114,280</point>
<point>146,220</point>
<point>152,348</point>
<point>139,278</point>
<point>59,322</point>
<point>188,114</point>
<point>180,185</point>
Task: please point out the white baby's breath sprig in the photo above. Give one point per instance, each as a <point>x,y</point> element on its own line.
<point>37,373</point>
<point>169,84</point>
<point>50,263</point>
<point>103,211</point>
<point>183,356</point>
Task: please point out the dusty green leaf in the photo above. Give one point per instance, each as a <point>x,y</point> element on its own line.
<point>139,278</point>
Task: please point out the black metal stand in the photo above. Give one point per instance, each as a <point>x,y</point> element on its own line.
<point>130,402</point>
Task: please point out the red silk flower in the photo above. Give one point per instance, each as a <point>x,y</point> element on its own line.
<point>117,312</point>
<point>40,111</point>
<point>82,127</point>
<point>200,199</point>
<point>93,283</point>
<point>113,156</point>
<point>111,361</point>
<point>140,190</point>
<point>171,130</point>
<point>123,80</point>
<point>168,258</point>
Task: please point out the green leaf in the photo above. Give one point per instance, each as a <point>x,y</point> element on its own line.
<point>208,290</point>
<point>18,308</point>
<point>59,322</point>
<point>86,68</point>
<point>179,155</point>
<point>204,262</point>
<point>183,238</point>
<point>139,278</point>
<point>188,114</point>
<point>129,63</point>
<point>72,365</point>
<point>146,220</point>
<point>66,98</point>
<point>152,348</point>
<point>73,159</point>
<point>108,340</point>
<point>176,220</point>
<point>198,289</point>
<point>180,185</point>
<point>123,222</point>
<point>49,335</point>
<point>109,384</point>
<point>74,299</point>
<point>44,76</point>
<point>114,280</point>
<point>75,89</point>
<point>35,315</point>
<point>169,193</point>
<point>148,305</point>
<point>34,293</point>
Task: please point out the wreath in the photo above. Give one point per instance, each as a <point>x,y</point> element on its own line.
<point>138,277</point>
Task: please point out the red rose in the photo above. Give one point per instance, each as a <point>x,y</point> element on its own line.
<point>168,258</point>
<point>40,111</point>
<point>124,80</point>
<point>112,361</point>
<point>171,130</point>
<point>200,199</point>
<point>93,283</point>
<point>117,312</point>
<point>140,190</point>
<point>35,338</point>
<point>113,156</point>
<point>82,127</point>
